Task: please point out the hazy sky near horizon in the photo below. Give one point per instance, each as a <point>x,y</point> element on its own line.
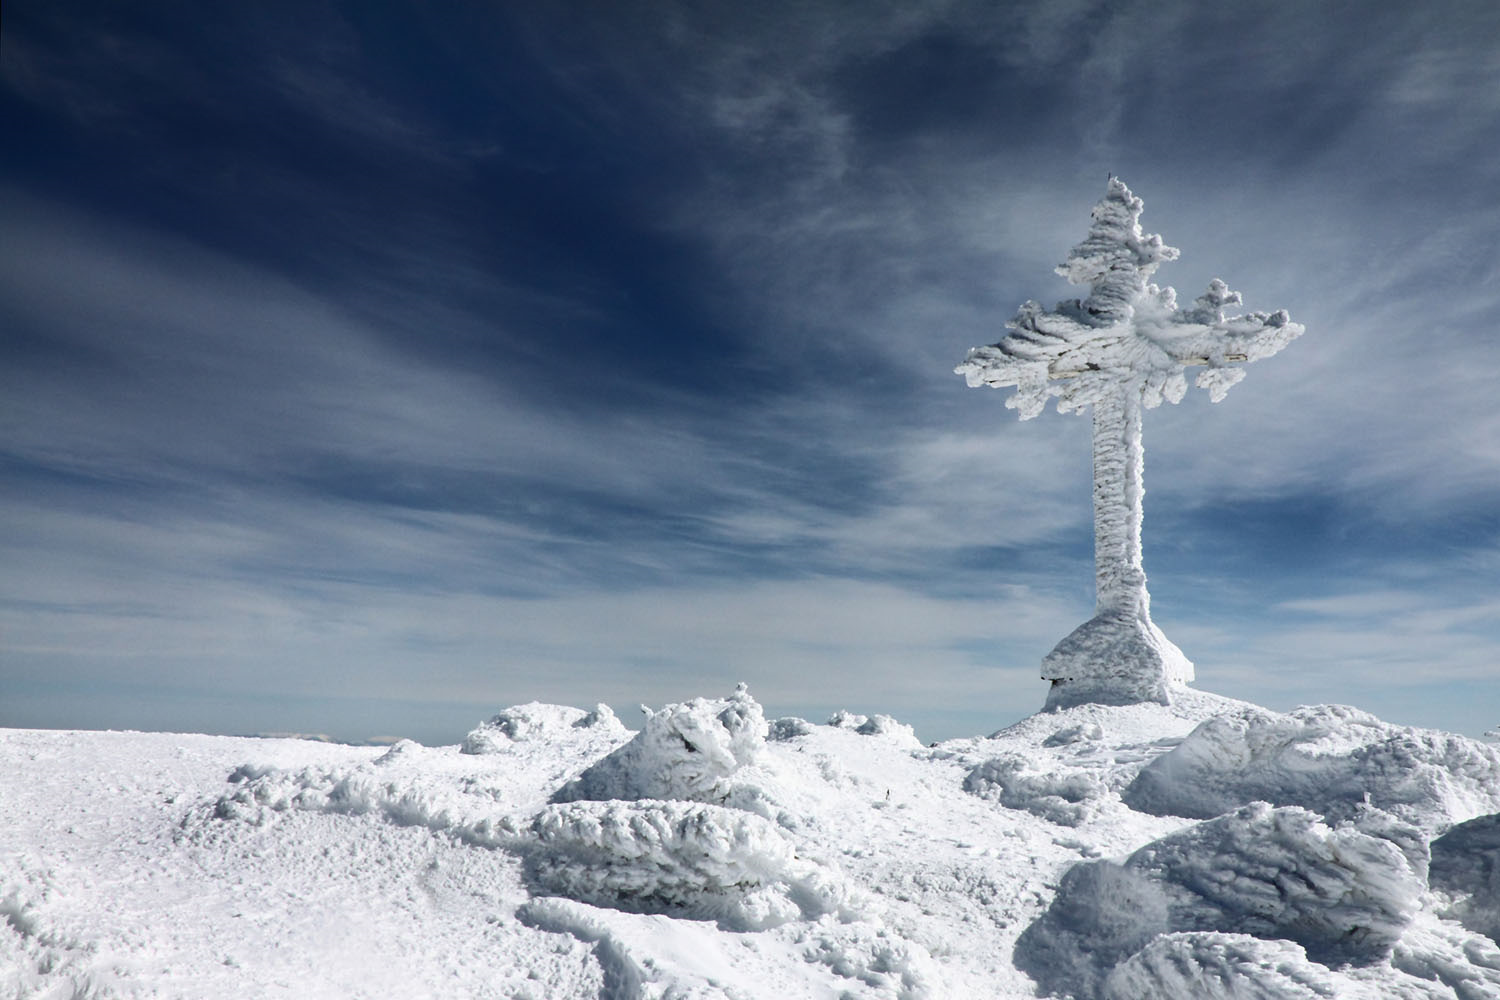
<point>366,368</point>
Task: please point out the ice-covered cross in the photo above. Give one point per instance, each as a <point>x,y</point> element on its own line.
<point>1123,349</point>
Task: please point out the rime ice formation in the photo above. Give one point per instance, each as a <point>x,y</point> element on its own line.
<point>1123,349</point>
<point>1342,894</point>
<point>682,858</point>
<point>689,751</point>
<point>535,721</point>
<point>987,869</point>
<point>1332,758</point>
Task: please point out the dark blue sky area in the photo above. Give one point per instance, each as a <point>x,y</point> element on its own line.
<point>365,368</point>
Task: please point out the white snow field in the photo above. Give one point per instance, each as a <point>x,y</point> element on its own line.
<point>1203,849</point>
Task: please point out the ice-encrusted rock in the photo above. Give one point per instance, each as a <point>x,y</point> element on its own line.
<point>1068,735</point>
<point>689,751</point>
<point>888,728</point>
<point>532,721</point>
<point>1341,893</point>
<point>845,719</point>
<point>889,965</point>
<point>875,725</point>
<point>1214,966</point>
<point>687,859</point>
<point>1466,865</point>
<point>788,727</point>
<point>1330,758</point>
<point>1063,796</point>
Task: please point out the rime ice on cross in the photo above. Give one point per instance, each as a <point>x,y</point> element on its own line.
<point>1121,350</point>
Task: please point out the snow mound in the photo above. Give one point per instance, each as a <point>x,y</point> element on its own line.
<point>390,787</point>
<point>1466,865</point>
<point>789,727</point>
<point>689,751</point>
<point>1330,758</point>
<point>892,967</point>
<point>876,725</point>
<point>532,721</point>
<point>686,859</point>
<point>1063,796</point>
<point>1068,735</point>
<point>1212,966</point>
<point>1343,894</point>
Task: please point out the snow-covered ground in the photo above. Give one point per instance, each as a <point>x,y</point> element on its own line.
<point>1207,849</point>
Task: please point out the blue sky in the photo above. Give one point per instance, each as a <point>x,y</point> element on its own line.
<point>366,368</point>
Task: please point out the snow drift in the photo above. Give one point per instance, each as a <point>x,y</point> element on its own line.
<point>686,859</point>
<point>1466,865</point>
<point>1065,796</point>
<point>788,860</point>
<point>1341,894</point>
<point>535,721</point>
<point>1329,758</point>
<point>691,751</point>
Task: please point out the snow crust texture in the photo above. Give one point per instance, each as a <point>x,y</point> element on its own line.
<point>1276,873</point>
<point>681,858</point>
<point>536,721</point>
<point>1214,966</point>
<point>691,751</point>
<point>767,861</point>
<point>1330,758</point>
<point>1466,865</point>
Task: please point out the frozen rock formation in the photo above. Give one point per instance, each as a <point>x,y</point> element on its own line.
<point>1342,894</point>
<point>689,751</point>
<point>1330,758</point>
<point>687,859</point>
<point>533,721</point>
<point>1213,966</point>
<point>1466,866</point>
<point>1066,797</point>
<point>1123,349</point>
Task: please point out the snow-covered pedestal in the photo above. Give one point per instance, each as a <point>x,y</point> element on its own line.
<point>1122,350</point>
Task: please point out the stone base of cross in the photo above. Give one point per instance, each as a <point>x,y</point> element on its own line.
<point>1122,350</point>
<point>1119,656</point>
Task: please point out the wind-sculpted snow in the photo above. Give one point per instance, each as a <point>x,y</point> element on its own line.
<point>690,751</point>
<point>535,721</point>
<point>1466,865</point>
<point>1066,797</point>
<point>687,859</point>
<point>1329,758</point>
<point>875,725</point>
<point>886,870</point>
<point>1342,894</point>
<point>1211,966</point>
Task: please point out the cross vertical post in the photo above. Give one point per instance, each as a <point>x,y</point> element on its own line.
<point>1122,350</point>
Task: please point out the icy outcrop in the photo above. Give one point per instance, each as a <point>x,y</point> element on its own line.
<point>689,751</point>
<point>1330,758</point>
<point>1342,894</point>
<point>882,961</point>
<point>1068,735</point>
<point>1466,865</point>
<point>1213,966</point>
<point>686,859</point>
<point>788,727</point>
<point>535,721</point>
<point>1063,796</point>
<point>1124,348</point>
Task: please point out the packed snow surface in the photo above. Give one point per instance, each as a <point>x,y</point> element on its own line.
<point>1202,849</point>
